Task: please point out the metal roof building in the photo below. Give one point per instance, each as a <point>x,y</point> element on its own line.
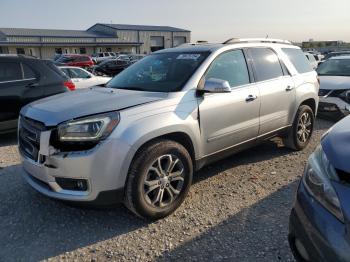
<point>45,43</point>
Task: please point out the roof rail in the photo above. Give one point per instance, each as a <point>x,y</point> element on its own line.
<point>256,40</point>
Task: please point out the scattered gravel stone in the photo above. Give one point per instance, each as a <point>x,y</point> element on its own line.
<point>237,210</point>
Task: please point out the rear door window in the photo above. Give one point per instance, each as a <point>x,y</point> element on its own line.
<point>230,66</point>
<point>10,71</point>
<point>266,64</point>
<point>298,59</point>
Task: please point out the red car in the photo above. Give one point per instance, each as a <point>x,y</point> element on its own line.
<point>83,61</point>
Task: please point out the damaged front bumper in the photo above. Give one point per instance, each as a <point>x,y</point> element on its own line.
<point>96,175</point>
<point>333,107</point>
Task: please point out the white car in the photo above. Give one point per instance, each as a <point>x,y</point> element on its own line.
<point>99,57</point>
<point>334,75</point>
<point>312,60</point>
<point>82,78</point>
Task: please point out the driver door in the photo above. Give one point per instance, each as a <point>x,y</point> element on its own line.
<point>229,119</point>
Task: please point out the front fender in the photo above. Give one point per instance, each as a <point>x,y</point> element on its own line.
<point>151,127</point>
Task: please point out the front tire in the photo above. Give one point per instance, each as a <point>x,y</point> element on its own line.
<point>299,135</point>
<point>159,179</point>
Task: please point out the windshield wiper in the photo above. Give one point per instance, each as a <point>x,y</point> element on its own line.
<point>130,88</point>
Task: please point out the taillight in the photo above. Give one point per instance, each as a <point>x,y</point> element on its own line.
<point>69,84</point>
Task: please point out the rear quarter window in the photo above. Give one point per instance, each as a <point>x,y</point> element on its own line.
<point>56,70</point>
<point>298,59</point>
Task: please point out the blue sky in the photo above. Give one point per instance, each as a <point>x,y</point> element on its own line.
<point>213,20</point>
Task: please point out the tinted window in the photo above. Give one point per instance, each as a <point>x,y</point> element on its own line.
<point>298,59</point>
<point>230,66</point>
<point>78,73</point>
<point>55,69</point>
<point>163,72</point>
<point>10,71</point>
<point>28,72</point>
<point>65,71</point>
<point>266,64</point>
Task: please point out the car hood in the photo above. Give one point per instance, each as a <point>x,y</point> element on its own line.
<point>334,82</point>
<point>336,145</point>
<point>56,109</point>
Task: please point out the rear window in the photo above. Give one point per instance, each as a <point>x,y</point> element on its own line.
<point>10,71</point>
<point>298,59</point>
<point>56,69</point>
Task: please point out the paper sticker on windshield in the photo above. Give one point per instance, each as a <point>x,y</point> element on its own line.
<point>189,56</point>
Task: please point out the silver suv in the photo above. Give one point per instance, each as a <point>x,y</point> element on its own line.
<point>140,139</point>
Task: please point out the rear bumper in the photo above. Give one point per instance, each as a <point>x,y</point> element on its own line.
<point>323,236</point>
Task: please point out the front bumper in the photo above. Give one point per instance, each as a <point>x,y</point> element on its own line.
<point>323,236</point>
<point>104,168</point>
<point>333,107</point>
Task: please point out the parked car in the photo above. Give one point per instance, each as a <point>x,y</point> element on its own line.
<point>83,61</point>
<point>82,78</point>
<point>136,57</point>
<point>23,80</point>
<point>56,57</point>
<point>312,60</point>
<point>320,218</point>
<point>338,53</point>
<point>111,67</point>
<point>99,57</point>
<point>140,139</point>
<point>334,92</point>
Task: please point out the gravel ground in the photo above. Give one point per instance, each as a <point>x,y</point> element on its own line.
<point>237,210</point>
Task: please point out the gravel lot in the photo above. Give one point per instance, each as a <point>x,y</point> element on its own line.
<point>237,210</point>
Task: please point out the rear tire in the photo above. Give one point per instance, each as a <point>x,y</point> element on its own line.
<point>159,179</point>
<point>299,135</point>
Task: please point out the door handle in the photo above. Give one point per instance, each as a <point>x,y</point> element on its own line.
<point>251,98</point>
<point>289,88</point>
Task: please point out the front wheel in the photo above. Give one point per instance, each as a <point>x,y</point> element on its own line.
<point>300,133</point>
<point>159,179</point>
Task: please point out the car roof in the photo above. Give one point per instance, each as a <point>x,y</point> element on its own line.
<point>208,47</point>
<point>75,55</point>
<point>73,67</point>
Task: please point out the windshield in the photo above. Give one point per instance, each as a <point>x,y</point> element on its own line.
<point>163,72</point>
<point>335,67</point>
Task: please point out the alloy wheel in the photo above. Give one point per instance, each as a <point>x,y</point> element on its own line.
<point>164,181</point>
<point>304,127</point>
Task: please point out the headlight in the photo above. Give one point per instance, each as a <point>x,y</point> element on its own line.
<point>91,128</point>
<point>345,96</point>
<point>317,179</point>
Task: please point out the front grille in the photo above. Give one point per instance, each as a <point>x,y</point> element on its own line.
<point>29,137</point>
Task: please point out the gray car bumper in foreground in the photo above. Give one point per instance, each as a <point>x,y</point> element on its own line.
<point>320,234</point>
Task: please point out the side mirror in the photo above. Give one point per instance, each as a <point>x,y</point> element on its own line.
<point>214,85</point>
